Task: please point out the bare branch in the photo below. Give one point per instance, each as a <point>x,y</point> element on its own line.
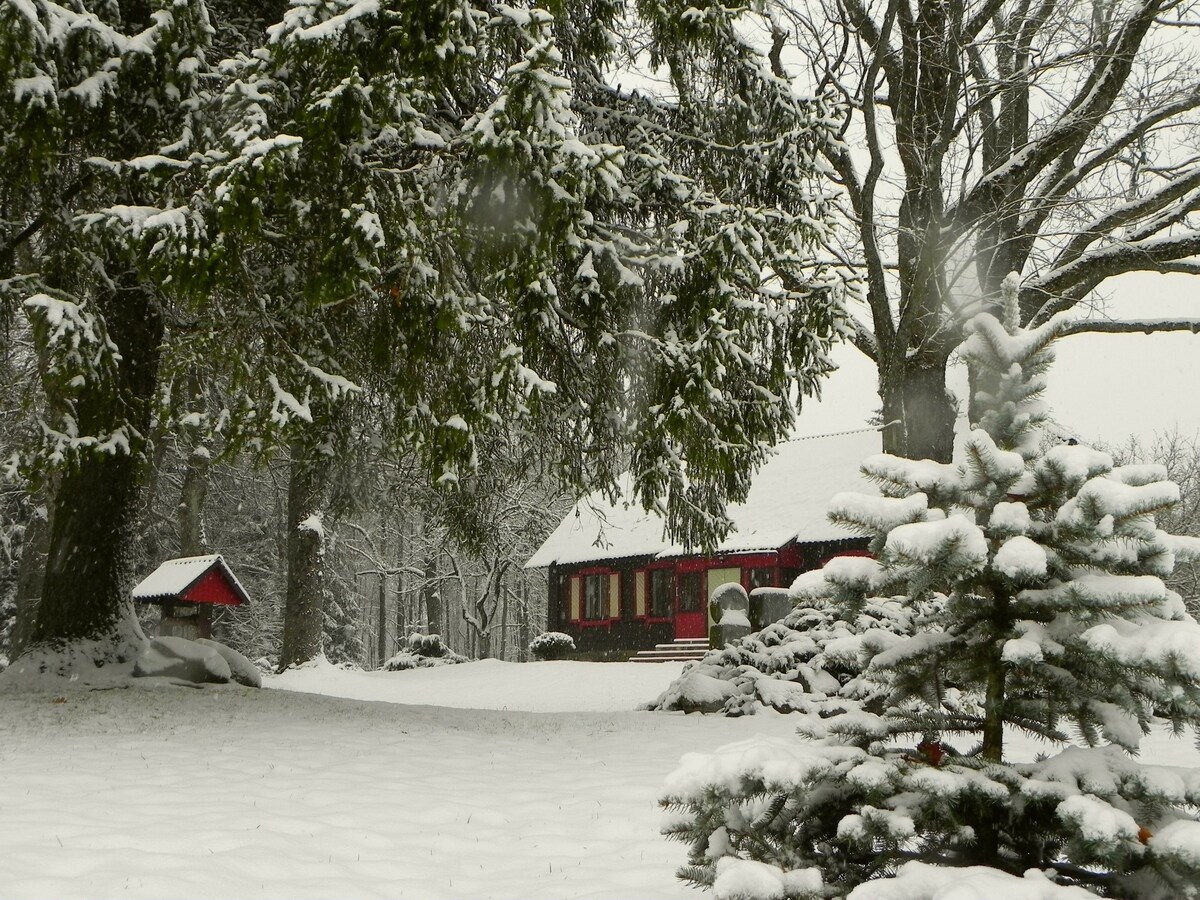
<point>1127,213</point>
<point>863,198</point>
<point>1063,288</point>
<point>1094,98</point>
<point>1067,174</point>
<point>1141,326</point>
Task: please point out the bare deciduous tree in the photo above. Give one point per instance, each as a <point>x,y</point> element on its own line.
<point>1052,138</point>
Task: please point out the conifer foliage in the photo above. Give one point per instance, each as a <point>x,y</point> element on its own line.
<point>469,216</point>
<point>448,210</point>
<point>1044,565</point>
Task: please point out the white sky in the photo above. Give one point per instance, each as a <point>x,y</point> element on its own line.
<point>1103,387</point>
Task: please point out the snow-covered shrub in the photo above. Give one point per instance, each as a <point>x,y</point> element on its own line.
<point>552,645</point>
<point>1044,564</point>
<point>805,663</point>
<point>422,651</point>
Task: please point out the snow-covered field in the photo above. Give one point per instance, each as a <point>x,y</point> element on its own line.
<point>482,780</point>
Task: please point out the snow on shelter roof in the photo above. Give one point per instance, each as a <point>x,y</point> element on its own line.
<point>173,578</point>
<point>787,501</point>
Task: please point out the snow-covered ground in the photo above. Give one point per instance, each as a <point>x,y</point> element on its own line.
<point>482,780</point>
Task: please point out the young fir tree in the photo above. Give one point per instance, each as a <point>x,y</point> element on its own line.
<point>1045,567</point>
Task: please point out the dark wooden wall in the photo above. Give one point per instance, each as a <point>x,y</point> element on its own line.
<point>628,634</point>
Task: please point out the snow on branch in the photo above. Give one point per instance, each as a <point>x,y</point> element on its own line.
<point>301,21</point>
<point>1061,288</point>
<point>953,541</point>
<point>68,323</point>
<point>336,385</point>
<point>285,405</point>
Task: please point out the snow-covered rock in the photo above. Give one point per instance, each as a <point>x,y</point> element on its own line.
<point>697,692</point>
<point>175,657</point>
<point>241,669</point>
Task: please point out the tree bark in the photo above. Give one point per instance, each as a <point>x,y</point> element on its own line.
<point>401,601</point>
<point>192,497</point>
<point>381,633</point>
<point>993,711</point>
<point>918,411</point>
<point>31,573</point>
<point>503,621</point>
<point>523,628</point>
<point>433,599</point>
<point>401,613</point>
<point>304,608</point>
<point>89,565</point>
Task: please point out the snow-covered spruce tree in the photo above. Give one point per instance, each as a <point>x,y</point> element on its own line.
<point>341,641</point>
<point>450,207</point>
<point>446,205</point>
<point>98,106</point>
<point>1055,623</point>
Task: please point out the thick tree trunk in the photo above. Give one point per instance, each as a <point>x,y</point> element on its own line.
<point>401,597</point>
<point>918,411</point>
<point>192,497</point>
<point>433,598</point>
<point>31,572</point>
<point>523,628</point>
<point>89,564</point>
<point>304,608</point>
<point>381,641</point>
<point>503,623</point>
<point>402,627</point>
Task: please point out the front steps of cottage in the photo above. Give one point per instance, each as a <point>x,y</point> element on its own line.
<point>679,650</point>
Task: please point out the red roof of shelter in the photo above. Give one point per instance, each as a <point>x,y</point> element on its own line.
<point>195,579</point>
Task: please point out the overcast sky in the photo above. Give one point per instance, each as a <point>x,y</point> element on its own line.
<point>1103,387</point>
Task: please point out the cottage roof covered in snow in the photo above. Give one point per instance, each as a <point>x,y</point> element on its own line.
<point>199,579</point>
<point>787,501</point>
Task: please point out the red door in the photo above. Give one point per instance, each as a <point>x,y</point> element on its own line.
<point>691,606</point>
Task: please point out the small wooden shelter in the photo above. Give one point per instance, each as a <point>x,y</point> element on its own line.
<point>187,590</point>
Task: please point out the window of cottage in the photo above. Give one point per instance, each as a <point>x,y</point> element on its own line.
<point>595,597</point>
<point>662,585</point>
<point>761,577</point>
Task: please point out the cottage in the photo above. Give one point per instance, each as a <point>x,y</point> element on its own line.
<point>188,589</point>
<point>616,585</point>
